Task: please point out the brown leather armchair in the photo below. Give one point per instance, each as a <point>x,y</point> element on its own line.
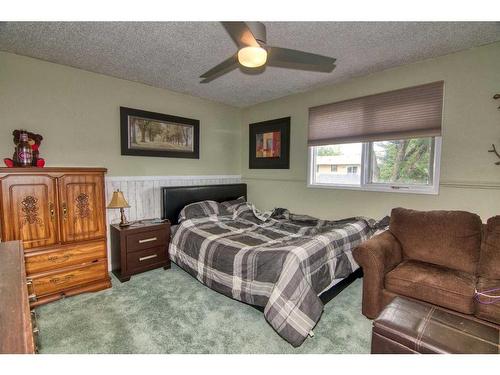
<point>438,257</point>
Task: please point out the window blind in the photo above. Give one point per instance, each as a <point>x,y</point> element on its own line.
<point>399,114</point>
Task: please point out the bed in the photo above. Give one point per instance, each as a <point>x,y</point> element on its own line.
<point>280,261</point>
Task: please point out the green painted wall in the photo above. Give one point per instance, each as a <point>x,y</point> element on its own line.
<point>471,122</point>
<point>77,112</point>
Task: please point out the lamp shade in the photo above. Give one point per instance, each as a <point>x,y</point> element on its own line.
<point>118,200</point>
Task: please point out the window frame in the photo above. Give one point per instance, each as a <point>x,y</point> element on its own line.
<point>365,174</point>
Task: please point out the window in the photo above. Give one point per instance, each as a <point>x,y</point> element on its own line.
<point>341,157</point>
<point>406,161</point>
<point>384,142</point>
<point>408,165</point>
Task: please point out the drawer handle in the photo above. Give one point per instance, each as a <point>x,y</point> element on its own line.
<point>59,259</point>
<point>148,257</point>
<point>29,285</point>
<point>59,280</point>
<point>148,240</point>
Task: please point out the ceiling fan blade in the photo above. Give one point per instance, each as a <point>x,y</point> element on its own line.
<point>240,33</point>
<point>294,59</point>
<point>224,67</point>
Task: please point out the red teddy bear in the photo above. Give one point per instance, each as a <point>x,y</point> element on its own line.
<point>34,140</point>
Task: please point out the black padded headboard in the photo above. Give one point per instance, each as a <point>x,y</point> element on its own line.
<point>174,198</point>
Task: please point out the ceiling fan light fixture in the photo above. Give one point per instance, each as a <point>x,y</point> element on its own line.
<point>253,52</point>
<point>252,57</point>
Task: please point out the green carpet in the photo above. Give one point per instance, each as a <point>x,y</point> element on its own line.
<point>171,312</point>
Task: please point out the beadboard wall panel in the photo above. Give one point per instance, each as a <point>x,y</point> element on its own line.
<point>143,193</point>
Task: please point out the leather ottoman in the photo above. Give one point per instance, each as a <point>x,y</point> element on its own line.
<point>406,327</point>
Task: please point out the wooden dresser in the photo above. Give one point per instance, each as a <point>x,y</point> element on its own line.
<point>17,323</point>
<point>59,215</point>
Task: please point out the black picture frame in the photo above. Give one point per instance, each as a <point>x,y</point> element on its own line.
<point>125,136</point>
<point>281,125</point>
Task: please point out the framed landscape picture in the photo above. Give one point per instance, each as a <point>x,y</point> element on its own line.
<point>155,134</point>
<point>270,144</point>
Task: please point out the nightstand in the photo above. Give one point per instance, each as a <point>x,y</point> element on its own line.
<point>140,247</point>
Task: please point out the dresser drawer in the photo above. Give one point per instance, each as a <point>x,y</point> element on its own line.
<point>63,257</point>
<point>145,258</point>
<point>147,239</point>
<point>74,276</point>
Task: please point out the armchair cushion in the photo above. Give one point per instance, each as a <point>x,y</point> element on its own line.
<point>434,284</point>
<point>450,239</point>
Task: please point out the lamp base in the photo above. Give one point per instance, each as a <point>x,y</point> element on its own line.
<point>123,219</point>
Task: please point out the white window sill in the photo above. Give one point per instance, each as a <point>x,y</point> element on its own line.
<point>430,190</point>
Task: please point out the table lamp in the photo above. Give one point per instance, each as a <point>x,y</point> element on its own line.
<point>118,201</point>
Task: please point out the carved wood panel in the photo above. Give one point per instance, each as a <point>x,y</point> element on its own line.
<point>30,208</point>
<point>81,200</point>
<point>29,214</point>
<point>83,209</point>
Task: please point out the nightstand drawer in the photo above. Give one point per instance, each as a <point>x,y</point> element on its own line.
<point>147,240</point>
<point>145,258</point>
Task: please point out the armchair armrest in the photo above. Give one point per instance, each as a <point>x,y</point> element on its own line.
<point>377,256</point>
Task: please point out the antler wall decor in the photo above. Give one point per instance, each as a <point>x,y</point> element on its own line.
<point>493,148</point>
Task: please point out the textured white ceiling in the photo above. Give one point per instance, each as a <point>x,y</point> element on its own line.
<point>172,55</point>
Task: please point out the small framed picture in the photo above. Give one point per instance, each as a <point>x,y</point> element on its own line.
<point>156,134</point>
<point>270,144</point>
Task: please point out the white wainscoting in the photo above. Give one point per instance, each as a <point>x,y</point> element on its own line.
<point>143,193</point>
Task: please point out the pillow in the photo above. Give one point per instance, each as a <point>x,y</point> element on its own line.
<point>233,205</point>
<point>202,209</point>
<point>247,211</point>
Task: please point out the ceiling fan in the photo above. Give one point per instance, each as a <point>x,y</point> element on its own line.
<point>253,52</point>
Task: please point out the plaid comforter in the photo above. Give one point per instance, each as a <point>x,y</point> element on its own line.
<point>281,262</point>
